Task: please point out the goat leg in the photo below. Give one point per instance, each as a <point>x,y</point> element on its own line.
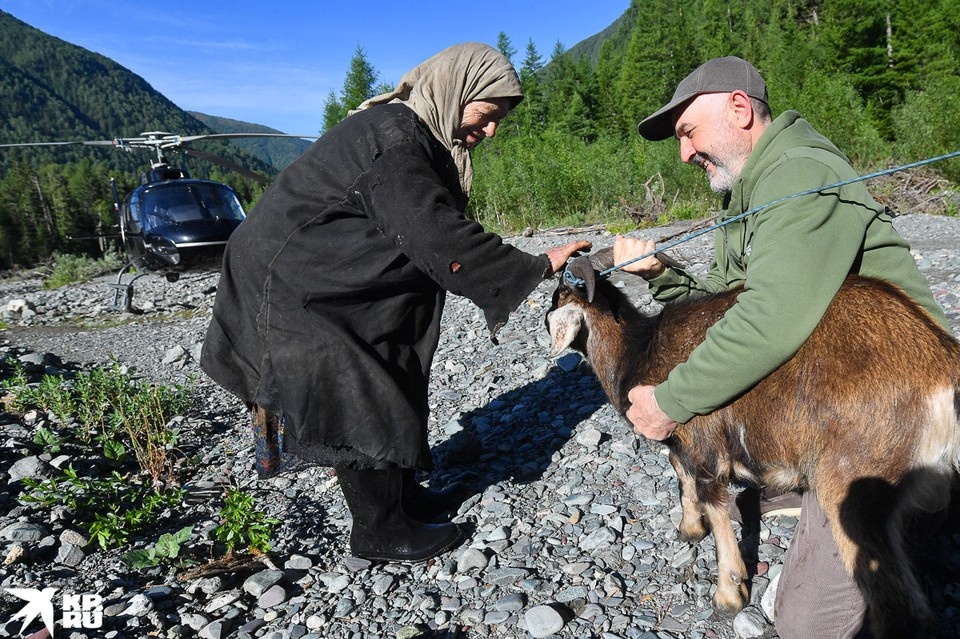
<point>731,595</point>
<point>692,528</point>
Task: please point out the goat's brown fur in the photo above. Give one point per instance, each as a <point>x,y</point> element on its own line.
<point>866,415</point>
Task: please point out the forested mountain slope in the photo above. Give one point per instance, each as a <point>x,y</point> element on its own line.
<point>277,152</point>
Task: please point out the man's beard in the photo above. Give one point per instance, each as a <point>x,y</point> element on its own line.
<point>723,178</point>
<point>736,150</point>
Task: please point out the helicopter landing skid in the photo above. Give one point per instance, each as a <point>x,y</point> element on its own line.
<point>125,291</point>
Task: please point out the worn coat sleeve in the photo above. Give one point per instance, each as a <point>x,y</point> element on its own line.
<point>406,199</point>
<point>801,251</point>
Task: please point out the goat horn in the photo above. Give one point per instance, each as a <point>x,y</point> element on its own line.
<point>582,268</point>
<point>602,259</point>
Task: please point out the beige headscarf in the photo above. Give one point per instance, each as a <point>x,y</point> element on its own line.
<point>438,89</point>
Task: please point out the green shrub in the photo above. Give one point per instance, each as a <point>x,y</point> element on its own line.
<point>928,125</point>
<point>167,549</point>
<point>556,179</point>
<point>110,508</point>
<point>831,104</point>
<point>242,525</point>
<point>109,403</point>
<point>68,269</point>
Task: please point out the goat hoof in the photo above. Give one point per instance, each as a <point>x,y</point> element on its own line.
<point>692,536</point>
<point>691,529</point>
<point>730,600</point>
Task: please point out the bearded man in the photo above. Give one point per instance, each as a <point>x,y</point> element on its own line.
<point>791,258</point>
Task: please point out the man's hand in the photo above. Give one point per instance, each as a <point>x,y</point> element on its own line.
<point>627,248</point>
<point>645,414</point>
<point>559,255</point>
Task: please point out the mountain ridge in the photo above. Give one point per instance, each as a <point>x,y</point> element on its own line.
<point>278,152</point>
<point>52,90</point>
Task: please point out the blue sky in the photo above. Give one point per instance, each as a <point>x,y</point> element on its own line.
<point>275,63</point>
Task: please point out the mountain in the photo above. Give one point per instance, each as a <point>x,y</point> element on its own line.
<point>618,34</point>
<point>51,90</point>
<point>277,152</point>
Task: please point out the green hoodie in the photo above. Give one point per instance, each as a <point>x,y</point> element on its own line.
<point>791,259</point>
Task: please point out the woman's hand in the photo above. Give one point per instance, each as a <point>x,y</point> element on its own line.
<point>626,249</point>
<point>559,255</point>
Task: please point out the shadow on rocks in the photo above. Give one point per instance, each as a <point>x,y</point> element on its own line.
<point>514,436</point>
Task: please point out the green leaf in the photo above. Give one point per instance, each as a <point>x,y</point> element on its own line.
<point>183,535</point>
<point>114,450</point>
<point>141,558</point>
<point>167,546</point>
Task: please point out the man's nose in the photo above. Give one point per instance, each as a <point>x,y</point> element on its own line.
<point>490,129</point>
<point>687,152</point>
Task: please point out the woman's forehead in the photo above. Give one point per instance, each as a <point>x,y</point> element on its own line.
<point>493,105</point>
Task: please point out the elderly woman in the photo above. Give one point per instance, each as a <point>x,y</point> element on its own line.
<point>328,312</point>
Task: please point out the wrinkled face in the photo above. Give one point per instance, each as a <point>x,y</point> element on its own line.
<point>480,119</point>
<point>709,139</point>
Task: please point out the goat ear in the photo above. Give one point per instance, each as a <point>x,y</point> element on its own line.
<point>564,324</point>
<point>582,268</point>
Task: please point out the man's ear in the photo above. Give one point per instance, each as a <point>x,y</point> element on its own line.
<point>741,108</point>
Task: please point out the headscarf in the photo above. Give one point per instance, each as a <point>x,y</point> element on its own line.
<point>439,88</point>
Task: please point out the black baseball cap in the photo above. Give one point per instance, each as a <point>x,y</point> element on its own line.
<point>720,75</point>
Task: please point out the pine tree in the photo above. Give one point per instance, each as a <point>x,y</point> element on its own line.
<point>505,46</point>
<point>359,85</point>
<point>529,116</point>
<point>333,111</point>
<point>659,54</point>
<point>855,35</point>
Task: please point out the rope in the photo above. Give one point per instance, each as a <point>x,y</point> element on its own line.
<point>573,280</point>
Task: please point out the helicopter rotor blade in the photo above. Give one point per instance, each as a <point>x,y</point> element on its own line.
<point>153,139</point>
<point>170,140</point>
<point>204,155</point>
<point>161,140</point>
<point>228,136</point>
<point>72,142</point>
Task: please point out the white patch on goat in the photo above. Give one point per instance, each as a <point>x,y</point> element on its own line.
<point>743,473</point>
<point>784,478</point>
<point>939,444</point>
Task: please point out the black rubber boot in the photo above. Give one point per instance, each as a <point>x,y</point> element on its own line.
<point>430,504</point>
<point>382,531</point>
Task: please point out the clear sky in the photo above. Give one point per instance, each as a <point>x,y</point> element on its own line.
<point>275,63</point>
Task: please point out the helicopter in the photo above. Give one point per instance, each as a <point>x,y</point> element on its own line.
<point>172,223</point>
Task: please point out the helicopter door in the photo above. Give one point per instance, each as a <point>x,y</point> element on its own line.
<point>130,230</point>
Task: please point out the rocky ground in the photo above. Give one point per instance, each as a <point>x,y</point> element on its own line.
<point>572,524</point>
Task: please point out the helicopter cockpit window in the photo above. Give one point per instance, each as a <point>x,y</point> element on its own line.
<point>180,203</point>
<point>220,202</point>
<point>165,205</point>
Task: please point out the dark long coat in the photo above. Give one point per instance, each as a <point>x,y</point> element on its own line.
<point>329,303</point>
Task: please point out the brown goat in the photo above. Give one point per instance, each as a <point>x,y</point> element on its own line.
<point>866,415</point>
